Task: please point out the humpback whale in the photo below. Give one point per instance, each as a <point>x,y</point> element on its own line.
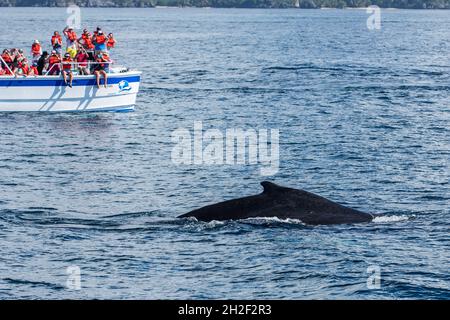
<point>283,203</point>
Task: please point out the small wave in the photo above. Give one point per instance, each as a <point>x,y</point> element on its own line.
<point>214,223</point>
<point>131,214</point>
<point>388,219</point>
<point>34,283</point>
<point>209,224</point>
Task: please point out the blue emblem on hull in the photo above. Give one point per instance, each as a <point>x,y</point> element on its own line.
<point>124,86</point>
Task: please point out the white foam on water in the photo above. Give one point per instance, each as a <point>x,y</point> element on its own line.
<point>214,223</point>
<point>263,220</point>
<point>388,219</point>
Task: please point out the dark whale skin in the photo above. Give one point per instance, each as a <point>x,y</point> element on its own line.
<point>283,203</point>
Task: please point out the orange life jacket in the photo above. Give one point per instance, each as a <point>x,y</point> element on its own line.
<point>111,42</point>
<point>36,48</point>
<point>56,40</point>
<point>100,39</point>
<point>53,60</point>
<point>72,36</point>
<point>87,41</point>
<point>66,63</point>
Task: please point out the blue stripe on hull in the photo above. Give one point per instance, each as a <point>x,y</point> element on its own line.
<point>23,82</point>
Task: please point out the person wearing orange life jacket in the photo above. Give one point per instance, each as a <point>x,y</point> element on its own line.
<point>97,30</point>
<point>53,64</point>
<point>16,56</point>
<point>7,62</point>
<point>23,68</point>
<point>67,69</point>
<point>99,41</point>
<point>111,41</point>
<point>36,51</point>
<point>57,42</point>
<point>71,36</point>
<point>34,70</point>
<point>86,42</point>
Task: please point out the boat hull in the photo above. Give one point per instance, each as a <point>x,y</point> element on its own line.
<point>51,94</point>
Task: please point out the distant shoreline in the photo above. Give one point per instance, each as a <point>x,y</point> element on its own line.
<point>235,4</point>
<point>209,7</point>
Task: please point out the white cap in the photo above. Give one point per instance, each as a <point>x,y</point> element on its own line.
<point>36,41</point>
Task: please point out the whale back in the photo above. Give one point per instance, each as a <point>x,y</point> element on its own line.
<point>281,202</point>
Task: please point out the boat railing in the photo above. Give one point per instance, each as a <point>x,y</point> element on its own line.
<point>86,64</point>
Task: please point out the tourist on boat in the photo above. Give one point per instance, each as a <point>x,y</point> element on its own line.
<point>86,41</point>
<point>99,41</point>
<point>16,56</point>
<point>72,50</point>
<point>42,63</point>
<point>67,69</point>
<point>23,68</point>
<point>102,68</point>
<point>7,62</point>
<point>71,36</point>
<point>97,30</point>
<point>57,42</point>
<point>82,59</point>
<point>53,64</point>
<point>33,69</point>
<point>111,41</point>
<point>36,51</point>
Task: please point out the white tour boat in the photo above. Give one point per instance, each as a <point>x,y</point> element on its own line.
<point>50,94</point>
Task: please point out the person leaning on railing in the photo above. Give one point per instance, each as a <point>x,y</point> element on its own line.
<point>53,64</point>
<point>7,61</point>
<point>25,69</point>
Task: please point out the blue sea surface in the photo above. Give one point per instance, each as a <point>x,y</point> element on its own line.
<point>364,120</point>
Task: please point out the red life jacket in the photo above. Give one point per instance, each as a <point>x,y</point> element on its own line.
<point>56,40</point>
<point>100,39</point>
<point>25,68</point>
<point>101,62</point>
<point>36,48</point>
<point>66,63</point>
<point>53,60</point>
<point>7,58</point>
<point>34,70</point>
<point>111,42</point>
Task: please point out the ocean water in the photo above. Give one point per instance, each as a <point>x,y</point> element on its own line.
<point>363,116</point>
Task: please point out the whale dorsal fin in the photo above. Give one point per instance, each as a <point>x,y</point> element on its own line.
<point>270,187</point>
